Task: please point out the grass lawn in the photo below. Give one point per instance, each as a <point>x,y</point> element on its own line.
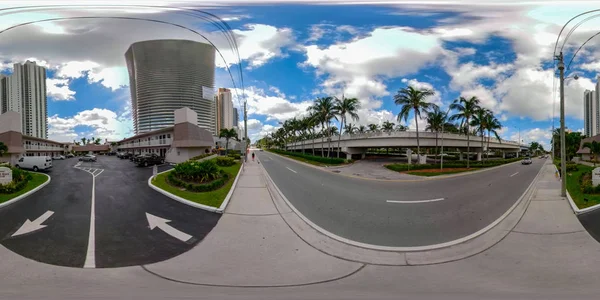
<point>575,190</point>
<point>437,172</point>
<point>36,181</point>
<point>212,198</point>
<point>308,161</point>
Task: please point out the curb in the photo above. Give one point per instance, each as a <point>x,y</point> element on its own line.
<point>408,249</point>
<point>218,210</point>
<point>576,210</point>
<point>399,180</point>
<point>21,197</point>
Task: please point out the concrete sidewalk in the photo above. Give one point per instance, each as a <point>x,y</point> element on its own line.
<point>253,246</point>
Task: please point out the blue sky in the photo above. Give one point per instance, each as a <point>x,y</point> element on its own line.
<point>292,54</point>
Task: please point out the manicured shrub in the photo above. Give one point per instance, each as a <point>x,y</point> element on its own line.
<point>225,161</point>
<point>197,172</point>
<point>201,156</point>
<point>20,180</point>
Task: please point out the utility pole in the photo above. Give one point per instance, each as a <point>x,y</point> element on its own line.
<point>563,152</point>
<point>245,131</point>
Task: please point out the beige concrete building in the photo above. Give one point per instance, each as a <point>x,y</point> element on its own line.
<point>224,110</point>
<point>19,144</point>
<point>176,143</point>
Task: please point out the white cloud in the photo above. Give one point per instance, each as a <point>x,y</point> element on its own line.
<point>540,135</point>
<point>273,107</point>
<point>362,64</point>
<point>435,99</point>
<point>105,124</point>
<point>58,89</point>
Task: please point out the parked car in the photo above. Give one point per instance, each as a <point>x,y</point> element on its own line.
<point>70,155</point>
<point>88,157</point>
<point>149,160</point>
<point>526,161</point>
<point>35,163</point>
<point>133,157</point>
<point>58,157</point>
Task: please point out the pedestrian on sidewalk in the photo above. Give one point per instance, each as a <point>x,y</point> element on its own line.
<point>252,156</point>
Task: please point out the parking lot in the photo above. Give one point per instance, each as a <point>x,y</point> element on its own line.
<point>116,232</point>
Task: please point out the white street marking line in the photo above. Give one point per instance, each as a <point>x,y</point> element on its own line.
<point>30,226</point>
<point>154,221</point>
<point>90,258</point>
<point>513,174</point>
<point>291,170</point>
<point>416,201</point>
<point>101,170</point>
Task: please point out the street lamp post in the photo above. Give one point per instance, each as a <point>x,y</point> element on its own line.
<point>563,152</point>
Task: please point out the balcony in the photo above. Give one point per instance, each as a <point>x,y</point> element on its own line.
<point>43,148</point>
<point>152,143</point>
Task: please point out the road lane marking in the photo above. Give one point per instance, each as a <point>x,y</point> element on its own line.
<point>31,226</point>
<point>90,257</point>
<point>161,223</point>
<point>415,201</point>
<point>291,170</point>
<point>513,174</point>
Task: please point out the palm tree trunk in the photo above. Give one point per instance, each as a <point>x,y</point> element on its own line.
<point>313,142</point>
<point>468,143</point>
<point>418,145</point>
<point>340,136</point>
<point>322,140</point>
<point>482,140</point>
<point>437,152</point>
<point>328,141</point>
<point>487,155</point>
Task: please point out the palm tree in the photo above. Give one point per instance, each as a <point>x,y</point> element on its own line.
<point>227,134</point>
<point>411,99</point>
<point>387,126</point>
<point>401,127</point>
<point>323,108</point>
<point>492,124</point>
<point>373,127</point>
<point>594,149</point>
<point>479,121</point>
<point>465,110</point>
<point>361,129</point>
<point>437,120</point>
<point>350,128</point>
<point>343,107</point>
<point>311,122</point>
<point>3,149</point>
<point>97,141</point>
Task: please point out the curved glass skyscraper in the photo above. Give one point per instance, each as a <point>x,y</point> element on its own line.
<point>166,75</point>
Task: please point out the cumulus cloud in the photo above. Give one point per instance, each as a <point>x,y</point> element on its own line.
<point>104,123</point>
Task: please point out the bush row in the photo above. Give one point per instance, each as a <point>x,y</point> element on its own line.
<point>453,164</point>
<point>202,187</point>
<point>201,156</point>
<point>20,180</point>
<point>586,184</point>
<point>197,171</point>
<point>225,161</point>
<point>325,160</point>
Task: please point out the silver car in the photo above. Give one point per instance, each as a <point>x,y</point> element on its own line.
<point>88,157</point>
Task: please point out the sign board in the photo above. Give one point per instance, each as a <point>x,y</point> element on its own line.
<point>5,175</point>
<point>409,155</point>
<point>422,159</point>
<point>596,176</point>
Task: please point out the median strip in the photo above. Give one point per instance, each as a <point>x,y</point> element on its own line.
<point>415,201</point>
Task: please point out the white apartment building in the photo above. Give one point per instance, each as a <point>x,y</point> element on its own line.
<point>24,91</point>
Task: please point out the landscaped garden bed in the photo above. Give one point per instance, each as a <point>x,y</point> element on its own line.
<point>22,183</point>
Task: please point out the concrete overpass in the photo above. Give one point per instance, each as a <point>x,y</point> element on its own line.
<point>354,145</point>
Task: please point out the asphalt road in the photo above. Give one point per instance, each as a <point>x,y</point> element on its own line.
<point>359,210</point>
<point>591,222</point>
<point>121,235</point>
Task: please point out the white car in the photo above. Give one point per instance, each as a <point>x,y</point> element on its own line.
<point>35,163</point>
<point>88,157</point>
<point>58,157</point>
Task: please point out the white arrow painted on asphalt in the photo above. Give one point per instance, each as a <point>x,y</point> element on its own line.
<point>161,223</point>
<point>30,226</point>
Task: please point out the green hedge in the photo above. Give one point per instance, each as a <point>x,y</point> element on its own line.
<point>234,155</point>
<point>201,156</point>
<point>20,180</point>
<point>325,160</point>
<point>225,161</point>
<point>453,164</point>
<point>202,187</point>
